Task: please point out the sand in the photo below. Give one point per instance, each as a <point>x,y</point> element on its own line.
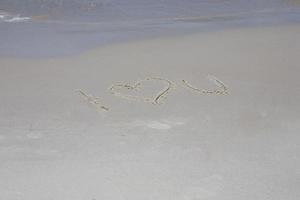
<point>231,133</point>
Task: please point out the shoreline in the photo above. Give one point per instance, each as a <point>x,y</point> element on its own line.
<point>155,37</point>
<point>54,39</point>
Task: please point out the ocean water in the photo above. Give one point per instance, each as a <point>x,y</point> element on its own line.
<point>53,28</point>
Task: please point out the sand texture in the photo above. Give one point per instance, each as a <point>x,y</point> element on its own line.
<point>205,116</point>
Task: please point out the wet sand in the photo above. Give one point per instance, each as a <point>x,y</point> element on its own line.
<point>203,116</point>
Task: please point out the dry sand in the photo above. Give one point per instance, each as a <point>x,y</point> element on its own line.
<point>57,143</point>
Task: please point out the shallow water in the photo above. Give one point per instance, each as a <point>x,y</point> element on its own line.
<point>36,28</point>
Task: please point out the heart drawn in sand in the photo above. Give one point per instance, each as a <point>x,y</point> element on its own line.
<point>133,91</point>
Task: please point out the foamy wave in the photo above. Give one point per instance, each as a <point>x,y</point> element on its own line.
<point>4,15</point>
<point>8,17</point>
<point>17,19</point>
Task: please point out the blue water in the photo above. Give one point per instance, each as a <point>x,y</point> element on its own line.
<point>39,28</point>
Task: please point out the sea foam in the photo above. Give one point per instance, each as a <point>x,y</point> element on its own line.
<point>8,17</point>
<point>17,19</point>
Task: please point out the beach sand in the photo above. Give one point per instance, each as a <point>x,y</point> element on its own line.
<point>234,141</point>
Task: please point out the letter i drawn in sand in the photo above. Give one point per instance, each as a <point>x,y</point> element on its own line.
<point>95,101</point>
